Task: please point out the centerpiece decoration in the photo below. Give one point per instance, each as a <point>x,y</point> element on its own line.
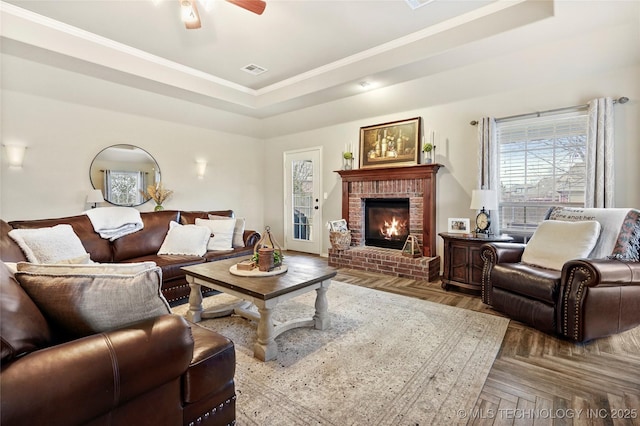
<point>158,194</point>
<point>267,253</point>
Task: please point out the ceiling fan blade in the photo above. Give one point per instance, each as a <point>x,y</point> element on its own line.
<point>255,6</point>
<point>190,15</point>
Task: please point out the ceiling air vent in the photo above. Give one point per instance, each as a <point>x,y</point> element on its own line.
<point>414,4</point>
<point>253,69</point>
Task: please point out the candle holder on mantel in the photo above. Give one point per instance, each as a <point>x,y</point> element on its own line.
<point>412,247</point>
<point>267,253</point>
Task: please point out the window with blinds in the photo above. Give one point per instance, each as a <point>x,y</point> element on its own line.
<point>542,164</point>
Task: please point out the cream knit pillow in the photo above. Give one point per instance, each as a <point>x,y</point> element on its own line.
<point>556,242</point>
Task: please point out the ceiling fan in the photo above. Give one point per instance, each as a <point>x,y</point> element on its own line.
<point>191,17</point>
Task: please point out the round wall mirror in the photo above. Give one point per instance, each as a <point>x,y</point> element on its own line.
<point>122,173</point>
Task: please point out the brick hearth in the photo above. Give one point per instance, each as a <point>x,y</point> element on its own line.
<point>386,261</point>
<point>418,183</point>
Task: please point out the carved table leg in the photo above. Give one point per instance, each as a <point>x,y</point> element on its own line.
<point>266,347</point>
<point>195,301</point>
<point>321,317</point>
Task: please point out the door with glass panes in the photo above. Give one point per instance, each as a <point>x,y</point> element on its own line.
<point>302,210</point>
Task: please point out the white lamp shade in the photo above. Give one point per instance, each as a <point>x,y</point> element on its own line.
<point>484,198</point>
<point>95,196</point>
<point>15,155</point>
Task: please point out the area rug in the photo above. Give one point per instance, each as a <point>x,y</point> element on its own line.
<point>386,359</point>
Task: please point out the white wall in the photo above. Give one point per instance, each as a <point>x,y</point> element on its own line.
<point>63,138</point>
<point>62,117</point>
<point>457,141</point>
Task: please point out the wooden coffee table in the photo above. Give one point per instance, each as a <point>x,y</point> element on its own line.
<point>265,293</point>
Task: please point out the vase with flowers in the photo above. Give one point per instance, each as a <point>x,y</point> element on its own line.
<point>158,194</point>
<point>427,149</point>
<point>347,156</point>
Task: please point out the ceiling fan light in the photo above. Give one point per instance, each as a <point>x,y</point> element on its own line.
<point>189,14</point>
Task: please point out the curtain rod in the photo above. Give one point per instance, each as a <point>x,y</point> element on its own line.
<point>622,100</point>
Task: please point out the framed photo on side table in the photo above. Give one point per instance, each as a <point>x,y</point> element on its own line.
<point>458,225</point>
<point>393,144</point>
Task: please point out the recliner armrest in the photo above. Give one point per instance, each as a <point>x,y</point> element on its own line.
<point>598,272</point>
<point>599,297</point>
<point>76,381</point>
<point>492,254</point>
<point>505,252</point>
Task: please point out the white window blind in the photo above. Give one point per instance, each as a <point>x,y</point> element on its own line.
<point>542,164</point>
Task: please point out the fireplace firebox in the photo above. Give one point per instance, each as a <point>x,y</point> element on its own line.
<point>386,222</point>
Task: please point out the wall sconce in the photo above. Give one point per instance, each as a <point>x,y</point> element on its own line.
<point>95,196</point>
<point>15,155</point>
<point>201,167</point>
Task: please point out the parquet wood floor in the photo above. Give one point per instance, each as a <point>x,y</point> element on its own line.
<point>538,379</point>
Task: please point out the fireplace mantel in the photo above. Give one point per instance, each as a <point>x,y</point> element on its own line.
<point>422,185</point>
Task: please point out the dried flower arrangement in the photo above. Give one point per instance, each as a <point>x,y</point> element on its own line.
<point>158,194</point>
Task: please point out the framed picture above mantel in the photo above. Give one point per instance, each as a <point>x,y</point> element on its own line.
<point>391,144</point>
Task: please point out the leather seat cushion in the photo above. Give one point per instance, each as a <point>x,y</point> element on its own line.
<point>535,313</point>
<point>529,281</point>
<point>169,263</point>
<point>213,365</point>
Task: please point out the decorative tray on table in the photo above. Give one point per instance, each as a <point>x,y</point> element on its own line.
<point>255,272</point>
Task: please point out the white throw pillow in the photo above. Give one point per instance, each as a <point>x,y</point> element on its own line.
<point>57,244</point>
<point>221,232</point>
<point>188,240</point>
<point>556,242</point>
<point>238,230</point>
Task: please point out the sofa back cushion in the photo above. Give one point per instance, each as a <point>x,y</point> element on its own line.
<point>9,249</point>
<point>23,328</point>
<point>98,248</point>
<point>146,241</point>
<point>620,235</point>
<point>556,242</point>
<point>189,218</point>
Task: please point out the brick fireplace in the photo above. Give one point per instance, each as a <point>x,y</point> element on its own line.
<point>418,184</point>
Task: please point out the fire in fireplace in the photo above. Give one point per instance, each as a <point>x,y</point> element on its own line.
<point>386,222</point>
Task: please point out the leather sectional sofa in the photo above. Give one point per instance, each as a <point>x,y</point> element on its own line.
<point>161,370</point>
<point>141,246</point>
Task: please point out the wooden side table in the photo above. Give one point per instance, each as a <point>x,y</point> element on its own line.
<point>462,262</point>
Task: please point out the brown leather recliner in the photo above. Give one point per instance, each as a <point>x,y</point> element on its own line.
<point>585,300</point>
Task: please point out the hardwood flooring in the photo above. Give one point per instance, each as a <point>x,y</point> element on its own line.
<point>538,379</point>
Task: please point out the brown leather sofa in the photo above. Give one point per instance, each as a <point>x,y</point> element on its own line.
<point>585,300</point>
<point>159,371</point>
<point>140,246</point>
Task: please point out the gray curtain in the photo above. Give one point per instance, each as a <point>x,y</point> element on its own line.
<point>599,183</point>
<point>488,168</point>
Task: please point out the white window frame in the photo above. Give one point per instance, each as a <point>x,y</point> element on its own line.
<point>542,163</point>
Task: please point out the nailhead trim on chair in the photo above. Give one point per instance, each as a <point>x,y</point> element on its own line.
<point>488,258</point>
<point>213,412</point>
<point>579,296</point>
